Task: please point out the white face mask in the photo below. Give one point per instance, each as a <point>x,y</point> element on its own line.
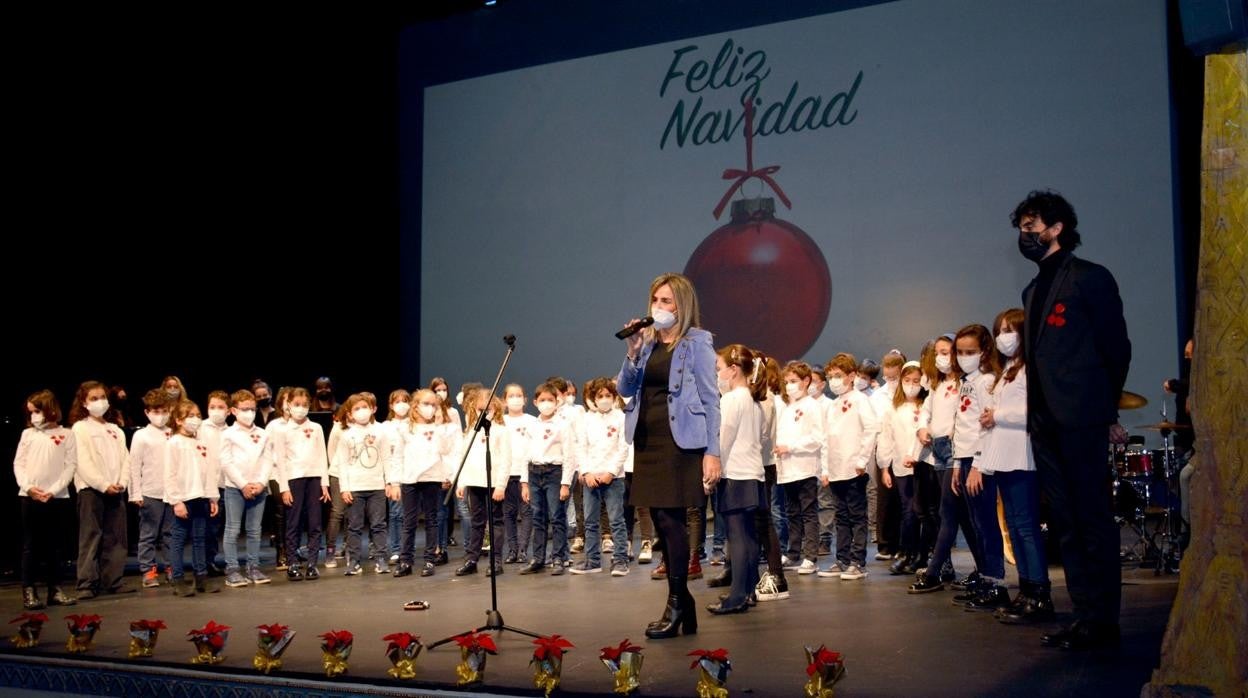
<point>925,383</point>
<point>192,424</point>
<point>860,384</point>
<point>943,364</point>
<point>569,400</point>
<point>97,407</point>
<point>794,390</point>
<point>814,390</point>
<point>724,386</point>
<point>217,416</point>
<point>361,415</point>
<point>173,393</point>
<point>36,419</point>
<point>158,420</point>
<point>663,319</point>
<point>910,389</point>
<point>426,411</point>
<point>401,409</point>
<point>441,394</point>
<point>838,387</point>
<point>515,404</point>
<point>969,364</point>
<point>459,398</point>
<point>546,407</point>
<point>245,417</point>
<point>299,412</point>
<point>1007,343</point>
<point>605,404</point>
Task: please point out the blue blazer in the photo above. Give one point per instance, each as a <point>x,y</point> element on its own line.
<point>693,402</point>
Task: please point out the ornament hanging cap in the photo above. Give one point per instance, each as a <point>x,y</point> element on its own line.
<point>740,177</point>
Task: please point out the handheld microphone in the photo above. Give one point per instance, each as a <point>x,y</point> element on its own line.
<point>634,328</point>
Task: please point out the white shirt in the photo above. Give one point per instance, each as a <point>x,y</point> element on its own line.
<point>800,429</point>
<point>740,435</point>
<point>553,441</point>
<point>45,458</point>
<point>971,399</point>
<point>520,428</point>
<point>335,433</point>
<point>191,471</point>
<point>209,434</point>
<point>899,428</point>
<point>603,448</point>
<point>940,407</point>
<point>882,403</point>
<point>473,474</point>
<point>102,456</point>
<point>364,458</point>
<point>299,451</point>
<point>423,451</point>
<point>850,428</point>
<point>1006,446</point>
<point>246,455</point>
<point>147,463</point>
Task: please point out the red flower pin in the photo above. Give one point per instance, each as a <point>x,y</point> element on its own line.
<point>797,415</point>
<point>255,438</point>
<point>966,403</point>
<point>1055,318</point>
<point>613,653</point>
<point>845,407</point>
<point>719,655</point>
<point>56,439</point>
<point>552,646</point>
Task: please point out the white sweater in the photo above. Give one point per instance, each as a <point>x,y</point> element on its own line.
<point>209,435</point>
<point>191,471</point>
<point>740,435</point>
<point>899,429</point>
<point>554,441</point>
<point>1006,446</point>
<point>246,456</point>
<point>972,397</point>
<point>364,458</point>
<point>147,462</point>
<point>299,451</point>
<point>799,428</point>
<point>520,427</point>
<point>473,474</point>
<point>603,448</point>
<point>45,458</point>
<point>940,407</point>
<point>850,428</point>
<point>423,454</point>
<point>102,456</point>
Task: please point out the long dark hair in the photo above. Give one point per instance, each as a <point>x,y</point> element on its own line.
<point>1014,319</point>
<point>752,367</point>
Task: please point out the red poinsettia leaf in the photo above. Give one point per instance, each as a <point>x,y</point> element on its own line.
<point>486,643</point>
<point>402,640</point>
<point>151,624</point>
<point>31,618</point>
<point>716,655</point>
<point>274,630</point>
<point>613,653</point>
<point>552,645</point>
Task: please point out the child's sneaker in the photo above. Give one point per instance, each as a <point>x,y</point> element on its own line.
<point>619,569</point>
<point>234,578</point>
<point>354,569</point>
<point>852,573</point>
<point>807,567</point>
<point>256,576</point>
<point>151,578</point>
<point>583,567</point>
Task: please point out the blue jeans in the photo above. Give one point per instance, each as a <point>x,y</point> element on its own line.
<point>953,513</point>
<point>194,527</point>
<point>850,499</point>
<point>245,515</point>
<point>544,483</point>
<point>155,524</point>
<point>465,519</point>
<point>720,531</point>
<point>779,517</point>
<point>396,524</point>
<point>367,508</point>
<point>594,498</point>
<point>1020,495</point>
<point>983,508</point>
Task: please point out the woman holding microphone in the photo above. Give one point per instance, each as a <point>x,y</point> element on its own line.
<point>673,424</point>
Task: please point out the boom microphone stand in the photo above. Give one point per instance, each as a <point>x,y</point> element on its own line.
<point>493,619</point>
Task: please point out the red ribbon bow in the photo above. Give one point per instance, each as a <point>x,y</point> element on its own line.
<point>149,624</point>
<point>613,653</point>
<point>401,640</point>
<point>275,630</point>
<point>31,618</point>
<point>475,641</point>
<point>552,645</point>
<point>742,176</point>
<point>337,638</point>
<point>720,655</point>
<point>822,657</point>
<point>82,621</point>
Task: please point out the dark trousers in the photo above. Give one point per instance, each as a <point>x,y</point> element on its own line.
<point>155,531</point>
<point>337,514</point>
<point>888,515</point>
<point>983,509</point>
<point>908,533</point>
<point>304,516</point>
<point>192,529</point>
<point>578,502</point>
<point>370,505</point>
<point>278,520</point>
<point>43,536</point>
<point>801,499</point>
<point>420,498</point>
<point>850,497</point>
<point>215,525</point>
<point>764,525</point>
<point>101,540</point>
<point>742,554</point>
<point>1075,481</point>
<point>477,497</point>
<point>926,505</point>
<point>544,485</point>
<point>953,513</point>
<point>672,527</point>
<point>638,515</point>
<point>517,519</point>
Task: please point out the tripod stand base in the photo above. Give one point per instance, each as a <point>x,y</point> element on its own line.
<point>493,621</point>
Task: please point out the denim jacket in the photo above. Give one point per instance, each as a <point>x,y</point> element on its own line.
<point>693,402</point>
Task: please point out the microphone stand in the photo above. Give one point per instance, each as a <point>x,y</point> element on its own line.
<point>493,619</point>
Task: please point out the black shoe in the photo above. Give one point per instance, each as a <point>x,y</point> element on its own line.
<point>947,574</point>
<point>403,569</point>
<point>1091,636</point>
<point>442,558</point>
<point>532,568</point>
<point>311,573</point>
<point>557,568</point>
<point>203,587</point>
<point>466,569</point>
<point>970,593</point>
<point>901,566</point>
<point>451,542</point>
<point>680,618</point>
<point>751,601</point>
<point>494,570</point>
<point>990,598</point>
<point>30,599</point>
<point>294,574</point>
<point>216,571</point>
<point>923,584</point>
<point>719,609</point>
<point>56,597</point>
<point>722,580</point>
<point>184,587</point>
<point>427,571</point>
<point>511,559</point>
<point>1034,609</point>
<point>966,582</point>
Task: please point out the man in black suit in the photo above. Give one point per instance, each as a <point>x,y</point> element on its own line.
<point>1077,355</point>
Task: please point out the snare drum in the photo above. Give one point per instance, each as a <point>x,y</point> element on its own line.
<point>1139,464</point>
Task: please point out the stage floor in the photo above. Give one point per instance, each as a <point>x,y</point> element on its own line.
<point>893,643</point>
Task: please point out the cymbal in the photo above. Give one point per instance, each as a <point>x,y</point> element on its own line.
<point>1131,401</point>
<point>1163,426</point>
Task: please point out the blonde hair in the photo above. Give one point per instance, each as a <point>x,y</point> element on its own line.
<point>687,312</point>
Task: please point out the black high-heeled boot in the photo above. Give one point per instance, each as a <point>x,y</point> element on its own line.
<point>680,614</point>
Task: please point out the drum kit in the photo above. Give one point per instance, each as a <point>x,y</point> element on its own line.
<point>1146,492</point>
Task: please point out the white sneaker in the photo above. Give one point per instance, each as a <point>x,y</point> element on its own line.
<point>807,567</point>
<point>608,545</point>
<point>835,569</point>
<point>646,553</point>
<point>769,589</point>
<point>853,572</point>
<point>331,562</point>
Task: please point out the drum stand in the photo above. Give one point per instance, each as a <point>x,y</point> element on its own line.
<point>1169,552</point>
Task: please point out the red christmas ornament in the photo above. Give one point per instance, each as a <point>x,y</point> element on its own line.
<point>762,281</point>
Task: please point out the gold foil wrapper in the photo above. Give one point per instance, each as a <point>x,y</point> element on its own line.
<point>627,672</point>
<point>80,640</point>
<point>710,686</point>
<point>335,663</point>
<point>403,669</point>
<point>820,683</point>
<point>207,654</point>
<point>27,635</point>
<point>547,673</point>
<point>266,663</point>
<point>471,668</point>
<point>142,641</point>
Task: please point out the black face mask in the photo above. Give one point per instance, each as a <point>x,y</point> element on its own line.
<point>264,401</point>
<point>1031,246</point>
<point>324,394</point>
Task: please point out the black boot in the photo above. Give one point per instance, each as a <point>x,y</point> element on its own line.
<point>1037,607</point>
<point>722,580</point>
<point>990,598</point>
<point>679,616</point>
<point>901,565</point>
<point>1020,600</point>
<point>30,599</point>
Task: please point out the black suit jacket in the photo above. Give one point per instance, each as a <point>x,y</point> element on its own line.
<point>1080,353</point>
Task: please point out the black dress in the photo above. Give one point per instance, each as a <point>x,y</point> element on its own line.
<point>664,474</point>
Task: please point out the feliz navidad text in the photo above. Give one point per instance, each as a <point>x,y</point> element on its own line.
<point>694,122</point>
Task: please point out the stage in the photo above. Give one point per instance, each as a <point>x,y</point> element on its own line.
<point>894,643</point>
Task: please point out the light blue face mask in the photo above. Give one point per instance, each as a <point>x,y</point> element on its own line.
<point>663,319</point>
